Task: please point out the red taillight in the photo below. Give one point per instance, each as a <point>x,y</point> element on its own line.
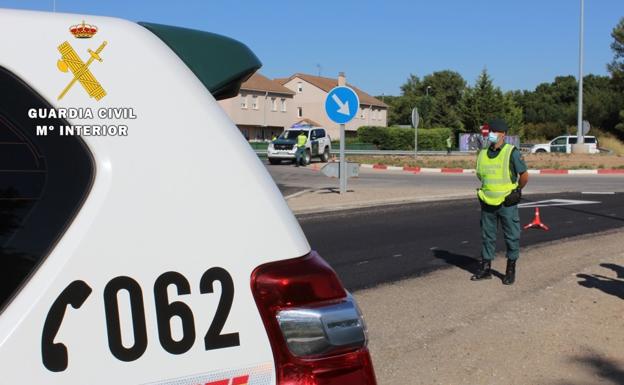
<point>306,298</point>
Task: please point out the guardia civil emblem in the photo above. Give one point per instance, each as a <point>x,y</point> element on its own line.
<point>71,61</point>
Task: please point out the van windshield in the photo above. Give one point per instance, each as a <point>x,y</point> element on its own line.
<point>292,134</point>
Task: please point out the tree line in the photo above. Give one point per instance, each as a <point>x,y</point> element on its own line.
<point>444,99</point>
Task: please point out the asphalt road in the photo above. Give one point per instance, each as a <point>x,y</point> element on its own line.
<point>291,179</point>
<point>377,245</point>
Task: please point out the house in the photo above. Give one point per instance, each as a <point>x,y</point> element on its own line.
<point>309,103</point>
<point>262,109</point>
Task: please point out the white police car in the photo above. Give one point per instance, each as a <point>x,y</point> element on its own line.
<point>125,256</point>
<point>285,146</point>
<point>563,144</point>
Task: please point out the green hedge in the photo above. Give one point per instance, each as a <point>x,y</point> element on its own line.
<point>352,145</point>
<point>259,145</point>
<point>397,138</point>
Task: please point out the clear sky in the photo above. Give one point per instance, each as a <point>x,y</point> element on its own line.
<point>379,43</point>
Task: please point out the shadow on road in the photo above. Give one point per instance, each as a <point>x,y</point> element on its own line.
<point>464,262</point>
<point>608,285</point>
<point>601,367</point>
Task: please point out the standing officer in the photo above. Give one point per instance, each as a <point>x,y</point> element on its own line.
<point>449,144</point>
<point>302,139</point>
<point>503,174</point>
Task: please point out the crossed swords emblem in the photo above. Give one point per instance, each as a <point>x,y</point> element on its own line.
<point>71,61</point>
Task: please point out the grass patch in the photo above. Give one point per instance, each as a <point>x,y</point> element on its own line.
<point>611,143</point>
<point>533,161</point>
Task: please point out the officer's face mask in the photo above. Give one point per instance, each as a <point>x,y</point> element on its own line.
<point>492,137</point>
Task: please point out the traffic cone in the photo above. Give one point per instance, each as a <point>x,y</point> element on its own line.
<point>537,223</point>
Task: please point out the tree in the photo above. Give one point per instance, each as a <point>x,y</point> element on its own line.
<point>445,92</point>
<point>616,68</point>
<point>399,109</point>
<point>602,102</point>
<point>481,103</point>
<point>437,97</point>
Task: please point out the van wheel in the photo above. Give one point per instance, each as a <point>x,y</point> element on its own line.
<point>274,161</point>
<point>307,158</point>
<point>325,156</point>
<point>541,150</point>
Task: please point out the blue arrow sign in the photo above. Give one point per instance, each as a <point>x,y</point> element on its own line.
<point>342,104</point>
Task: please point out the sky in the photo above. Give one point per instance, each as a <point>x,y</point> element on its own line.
<point>378,44</point>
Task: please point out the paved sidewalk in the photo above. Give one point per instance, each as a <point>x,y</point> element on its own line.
<point>323,200</point>
<point>562,323</point>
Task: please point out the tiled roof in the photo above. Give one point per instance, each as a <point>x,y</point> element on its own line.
<point>326,84</point>
<point>258,82</point>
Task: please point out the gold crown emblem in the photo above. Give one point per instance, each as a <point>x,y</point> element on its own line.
<point>83,31</point>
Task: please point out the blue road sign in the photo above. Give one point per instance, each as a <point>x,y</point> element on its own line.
<point>342,104</point>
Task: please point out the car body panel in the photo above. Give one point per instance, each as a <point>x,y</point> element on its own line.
<point>160,202</point>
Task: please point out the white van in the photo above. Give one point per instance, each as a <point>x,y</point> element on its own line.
<point>126,257</point>
<point>285,146</point>
<point>563,144</point>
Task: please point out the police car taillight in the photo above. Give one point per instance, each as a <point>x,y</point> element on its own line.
<point>317,333</point>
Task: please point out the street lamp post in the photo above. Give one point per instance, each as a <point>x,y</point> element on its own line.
<point>580,147</point>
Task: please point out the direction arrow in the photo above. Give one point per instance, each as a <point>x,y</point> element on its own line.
<point>343,108</point>
<point>556,202</point>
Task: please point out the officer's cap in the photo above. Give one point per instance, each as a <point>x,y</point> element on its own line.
<point>498,125</point>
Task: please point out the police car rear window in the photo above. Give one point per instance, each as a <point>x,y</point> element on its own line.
<point>43,181</point>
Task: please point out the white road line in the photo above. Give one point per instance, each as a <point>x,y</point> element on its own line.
<point>598,193</point>
<point>556,202</point>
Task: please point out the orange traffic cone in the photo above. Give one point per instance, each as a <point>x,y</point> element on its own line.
<point>537,223</point>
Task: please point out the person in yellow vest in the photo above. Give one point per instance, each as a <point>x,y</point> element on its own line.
<point>302,139</point>
<point>503,175</point>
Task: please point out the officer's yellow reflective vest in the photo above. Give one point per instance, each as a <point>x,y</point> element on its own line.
<point>496,182</point>
<point>301,140</point>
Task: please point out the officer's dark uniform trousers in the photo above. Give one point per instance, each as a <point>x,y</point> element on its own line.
<point>510,221</point>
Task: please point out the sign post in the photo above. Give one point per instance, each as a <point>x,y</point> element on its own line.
<point>341,106</point>
<point>415,122</point>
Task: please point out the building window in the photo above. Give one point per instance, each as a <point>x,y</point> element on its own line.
<point>300,112</point>
<point>283,105</point>
<point>375,114</point>
<point>254,102</point>
<point>243,101</point>
<point>362,115</point>
<point>273,104</point>
<point>299,87</point>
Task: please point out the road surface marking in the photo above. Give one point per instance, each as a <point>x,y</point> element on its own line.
<point>556,202</point>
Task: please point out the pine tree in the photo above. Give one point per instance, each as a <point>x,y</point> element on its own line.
<point>616,67</point>
<point>482,103</point>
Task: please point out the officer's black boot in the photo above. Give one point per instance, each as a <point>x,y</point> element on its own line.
<point>510,273</point>
<point>484,272</point>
